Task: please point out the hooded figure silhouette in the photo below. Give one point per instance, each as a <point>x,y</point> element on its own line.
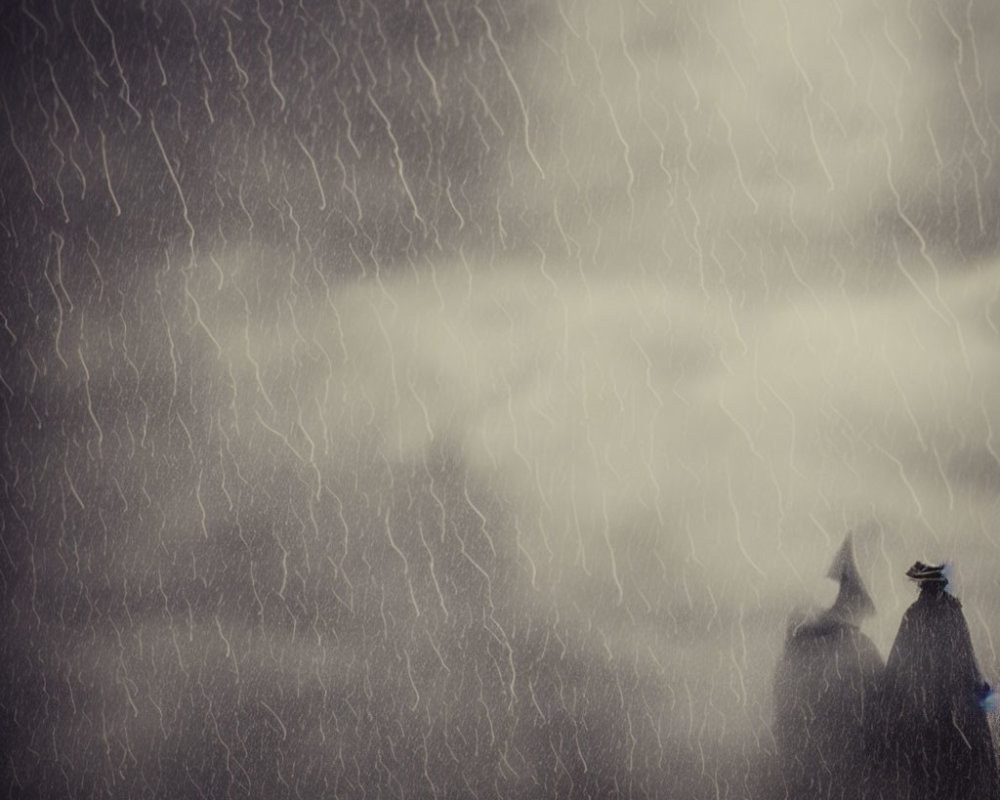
<point>935,740</point>
<point>825,691</point>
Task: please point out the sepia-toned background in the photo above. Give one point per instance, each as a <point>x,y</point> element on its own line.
<point>454,398</point>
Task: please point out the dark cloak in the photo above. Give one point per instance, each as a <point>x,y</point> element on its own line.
<point>825,695</point>
<point>936,742</point>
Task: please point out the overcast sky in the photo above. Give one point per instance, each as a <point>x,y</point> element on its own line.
<point>456,398</point>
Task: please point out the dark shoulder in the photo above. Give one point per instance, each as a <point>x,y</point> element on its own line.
<point>938,599</point>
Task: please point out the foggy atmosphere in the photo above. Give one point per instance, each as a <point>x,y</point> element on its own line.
<point>500,398</point>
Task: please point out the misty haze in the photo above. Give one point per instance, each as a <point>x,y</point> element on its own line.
<point>469,398</point>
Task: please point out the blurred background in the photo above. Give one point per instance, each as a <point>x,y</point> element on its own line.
<point>455,398</point>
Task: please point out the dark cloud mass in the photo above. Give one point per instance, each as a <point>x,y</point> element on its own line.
<point>456,399</point>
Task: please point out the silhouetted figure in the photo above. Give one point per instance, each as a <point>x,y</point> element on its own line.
<point>936,742</point>
<point>825,691</point>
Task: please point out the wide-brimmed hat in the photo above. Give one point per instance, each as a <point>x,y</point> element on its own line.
<point>926,573</point>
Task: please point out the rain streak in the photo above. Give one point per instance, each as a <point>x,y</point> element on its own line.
<point>468,398</point>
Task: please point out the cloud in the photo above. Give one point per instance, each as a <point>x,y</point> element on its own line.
<point>656,448</point>
<point>688,294</point>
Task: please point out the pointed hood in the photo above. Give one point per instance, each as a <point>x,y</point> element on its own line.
<point>825,685</point>
<point>853,602</point>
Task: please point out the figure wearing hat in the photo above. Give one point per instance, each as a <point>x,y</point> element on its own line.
<point>935,742</point>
